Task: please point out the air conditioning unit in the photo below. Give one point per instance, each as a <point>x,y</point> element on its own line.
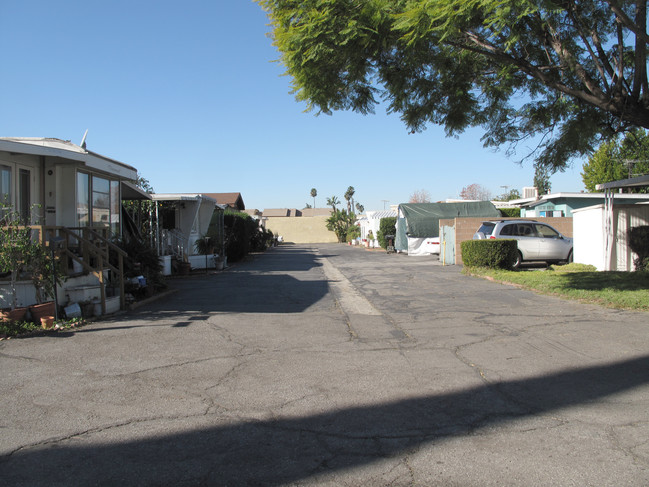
<point>530,192</point>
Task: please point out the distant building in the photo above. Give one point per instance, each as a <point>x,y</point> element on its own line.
<point>563,204</point>
<point>233,201</point>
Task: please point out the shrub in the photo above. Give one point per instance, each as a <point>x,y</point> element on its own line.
<point>639,243</point>
<point>510,212</point>
<point>353,233</point>
<point>142,260</point>
<point>237,235</point>
<point>260,239</point>
<point>489,253</point>
<point>339,222</point>
<point>387,226</point>
<point>243,235</point>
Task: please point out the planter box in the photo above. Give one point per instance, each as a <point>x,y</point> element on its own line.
<point>80,294</point>
<point>198,261</point>
<point>112,306</point>
<point>165,262</point>
<point>40,310</point>
<point>17,314</point>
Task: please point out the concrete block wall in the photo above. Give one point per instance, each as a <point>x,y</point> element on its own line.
<point>302,229</point>
<point>466,227</point>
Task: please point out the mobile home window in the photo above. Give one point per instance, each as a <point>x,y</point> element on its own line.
<point>98,202</point>
<point>83,199</point>
<point>24,195</point>
<point>114,207</point>
<point>5,185</point>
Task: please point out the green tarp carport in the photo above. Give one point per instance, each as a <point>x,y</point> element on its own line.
<point>418,223</point>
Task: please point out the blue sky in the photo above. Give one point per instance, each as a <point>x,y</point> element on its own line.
<point>188,93</point>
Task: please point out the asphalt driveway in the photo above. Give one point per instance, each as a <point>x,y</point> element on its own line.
<point>332,365</point>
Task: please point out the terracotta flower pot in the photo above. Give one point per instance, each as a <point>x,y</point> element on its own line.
<point>40,310</point>
<point>47,322</point>
<point>17,314</point>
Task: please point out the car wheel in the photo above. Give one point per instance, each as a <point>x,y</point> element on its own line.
<point>519,259</point>
<point>569,259</point>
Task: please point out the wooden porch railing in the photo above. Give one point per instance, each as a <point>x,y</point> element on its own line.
<point>89,248</point>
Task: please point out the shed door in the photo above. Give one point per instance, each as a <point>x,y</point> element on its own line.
<point>447,243</point>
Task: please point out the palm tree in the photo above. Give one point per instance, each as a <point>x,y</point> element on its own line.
<point>314,193</point>
<point>333,201</point>
<point>360,208</point>
<point>349,196</point>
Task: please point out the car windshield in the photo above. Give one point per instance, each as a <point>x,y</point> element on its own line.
<point>487,228</point>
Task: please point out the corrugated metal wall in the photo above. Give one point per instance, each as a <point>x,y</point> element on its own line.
<point>589,246</point>
<point>627,218</point>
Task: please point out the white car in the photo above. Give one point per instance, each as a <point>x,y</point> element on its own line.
<point>536,241</point>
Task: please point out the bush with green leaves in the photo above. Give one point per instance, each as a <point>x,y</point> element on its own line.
<point>142,260</point>
<point>639,244</point>
<point>260,239</point>
<point>387,226</point>
<point>241,235</point>
<point>237,235</point>
<point>498,254</point>
<point>16,247</point>
<point>353,233</point>
<point>340,222</point>
<point>510,212</point>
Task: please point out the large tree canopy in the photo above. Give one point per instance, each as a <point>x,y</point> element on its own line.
<point>618,159</point>
<point>573,72</point>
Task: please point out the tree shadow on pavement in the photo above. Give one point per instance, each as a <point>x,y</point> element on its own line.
<point>280,451</point>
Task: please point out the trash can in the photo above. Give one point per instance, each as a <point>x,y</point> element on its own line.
<point>390,246</point>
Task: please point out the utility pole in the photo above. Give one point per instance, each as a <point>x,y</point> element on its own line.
<point>384,202</point>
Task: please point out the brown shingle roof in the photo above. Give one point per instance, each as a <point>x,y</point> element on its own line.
<point>233,200</point>
<point>276,212</point>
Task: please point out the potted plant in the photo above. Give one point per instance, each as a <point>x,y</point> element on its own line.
<point>207,245</point>
<point>15,248</point>
<point>370,239</point>
<point>46,274</point>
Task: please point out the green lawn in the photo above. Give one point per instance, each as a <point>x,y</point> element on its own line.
<point>622,290</point>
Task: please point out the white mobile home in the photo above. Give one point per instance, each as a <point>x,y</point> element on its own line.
<point>74,196</point>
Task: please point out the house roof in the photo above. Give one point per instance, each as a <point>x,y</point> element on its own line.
<point>316,211</point>
<point>625,183</point>
<point>276,212</point>
<point>380,214</point>
<point>65,149</point>
<point>181,197</point>
<point>592,196</point>
<point>233,200</point>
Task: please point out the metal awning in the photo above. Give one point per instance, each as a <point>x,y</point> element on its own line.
<point>625,183</point>
<point>132,192</point>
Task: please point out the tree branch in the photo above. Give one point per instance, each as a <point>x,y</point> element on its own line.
<point>640,74</point>
<point>627,22</point>
<point>584,39</point>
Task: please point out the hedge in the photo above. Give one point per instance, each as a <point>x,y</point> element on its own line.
<point>387,226</point>
<point>489,253</point>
